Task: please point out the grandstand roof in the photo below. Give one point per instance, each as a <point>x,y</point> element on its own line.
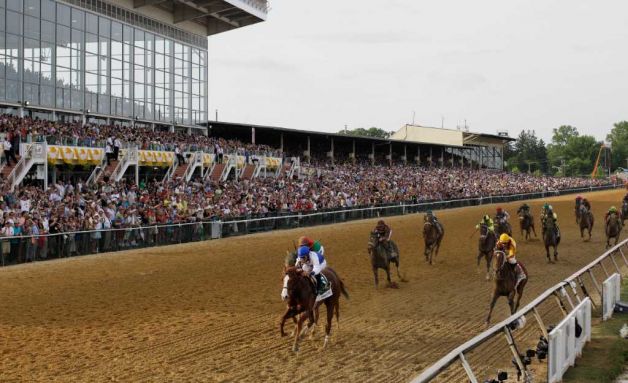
<point>205,17</point>
<point>223,126</point>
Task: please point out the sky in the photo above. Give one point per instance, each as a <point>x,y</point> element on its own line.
<point>499,65</point>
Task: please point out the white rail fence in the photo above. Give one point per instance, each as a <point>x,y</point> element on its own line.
<point>564,346</point>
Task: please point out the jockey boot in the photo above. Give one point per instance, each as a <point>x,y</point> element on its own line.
<point>319,284</point>
<point>557,232</point>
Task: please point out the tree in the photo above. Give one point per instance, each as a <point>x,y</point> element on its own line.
<point>576,152</point>
<point>527,154</point>
<point>371,132</point>
<point>618,137</point>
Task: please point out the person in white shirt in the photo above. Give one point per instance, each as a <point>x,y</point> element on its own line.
<point>6,146</point>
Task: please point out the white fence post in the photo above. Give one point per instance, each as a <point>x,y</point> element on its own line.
<point>611,290</point>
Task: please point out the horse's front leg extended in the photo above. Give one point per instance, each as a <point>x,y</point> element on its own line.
<point>290,313</point>
<point>297,333</point>
<point>491,306</point>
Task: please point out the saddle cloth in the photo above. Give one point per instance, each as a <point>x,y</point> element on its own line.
<point>324,289</point>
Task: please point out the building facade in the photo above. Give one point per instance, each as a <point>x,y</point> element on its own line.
<point>133,61</point>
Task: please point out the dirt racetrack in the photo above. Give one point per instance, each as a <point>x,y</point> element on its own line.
<point>208,312</point>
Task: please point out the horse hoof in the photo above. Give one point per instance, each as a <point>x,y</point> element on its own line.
<point>393,285</point>
<point>295,348</point>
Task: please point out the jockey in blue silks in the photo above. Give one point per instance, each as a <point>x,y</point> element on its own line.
<point>311,262</point>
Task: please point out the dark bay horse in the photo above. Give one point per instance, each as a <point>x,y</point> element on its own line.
<point>526,224</point>
<point>550,238</point>
<point>586,221</point>
<point>381,259</point>
<point>300,294</point>
<point>613,229</point>
<point>505,282</point>
<point>486,244</point>
<point>432,239</point>
<point>624,212</point>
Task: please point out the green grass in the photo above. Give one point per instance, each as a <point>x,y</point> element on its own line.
<point>605,357</point>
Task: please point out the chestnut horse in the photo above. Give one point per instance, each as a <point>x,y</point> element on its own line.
<point>505,282</point>
<point>300,293</point>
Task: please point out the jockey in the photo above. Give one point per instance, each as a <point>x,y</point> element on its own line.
<point>549,214</point>
<point>384,233</point>
<point>578,201</point>
<point>586,204</point>
<point>509,246</point>
<point>501,215</point>
<point>525,209</point>
<point>486,220</point>
<point>311,263</point>
<point>625,200</point>
<point>431,218</point>
<point>313,245</point>
<point>611,211</point>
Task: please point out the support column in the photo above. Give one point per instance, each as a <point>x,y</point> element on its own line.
<point>390,154</point>
<point>502,156</point>
<point>281,142</point>
<point>21,111</point>
<point>372,153</point>
<point>171,128</point>
<point>54,115</point>
<point>405,154</point>
<point>309,153</point>
<point>253,135</point>
<point>418,154</point>
<point>354,159</point>
<point>189,131</point>
<point>442,156</point>
<point>152,126</point>
<point>332,150</point>
<point>431,158</point>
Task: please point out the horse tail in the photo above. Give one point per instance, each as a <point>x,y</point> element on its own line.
<point>342,289</point>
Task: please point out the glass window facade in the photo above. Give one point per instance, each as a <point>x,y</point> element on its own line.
<point>57,56</point>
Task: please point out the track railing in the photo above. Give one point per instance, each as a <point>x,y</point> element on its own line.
<point>560,289</point>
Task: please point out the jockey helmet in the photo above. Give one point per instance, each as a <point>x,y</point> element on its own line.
<point>486,218</point>
<point>613,209</point>
<point>316,246</point>
<point>429,212</point>
<point>380,222</point>
<point>499,209</point>
<point>546,206</point>
<point>550,207</point>
<point>305,241</point>
<point>303,252</point>
<point>579,197</point>
<point>504,238</point>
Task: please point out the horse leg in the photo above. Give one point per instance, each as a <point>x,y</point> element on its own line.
<point>547,254</point>
<point>534,231</point>
<point>556,253</point>
<point>376,277</point>
<point>397,267</point>
<point>297,337</point>
<point>520,294</point>
<point>330,315</point>
<point>488,267</point>
<point>388,274</point>
<point>290,313</point>
<point>490,310</point>
<point>511,302</point>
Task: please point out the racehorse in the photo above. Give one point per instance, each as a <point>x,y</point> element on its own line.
<point>526,223</point>
<point>486,244</point>
<point>381,259</point>
<point>624,212</point>
<point>550,238</point>
<point>613,229</point>
<point>586,221</point>
<point>432,239</point>
<point>502,226</point>
<point>300,293</point>
<point>505,282</point>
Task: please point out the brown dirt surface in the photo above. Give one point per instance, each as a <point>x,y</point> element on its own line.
<point>209,312</point>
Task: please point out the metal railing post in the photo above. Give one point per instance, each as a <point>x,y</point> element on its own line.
<point>467,368</point>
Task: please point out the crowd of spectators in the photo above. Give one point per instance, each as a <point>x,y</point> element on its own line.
<point>73,207</point>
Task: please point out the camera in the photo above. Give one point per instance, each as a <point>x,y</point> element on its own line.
<point>501,377</point>
<point>542,348</point>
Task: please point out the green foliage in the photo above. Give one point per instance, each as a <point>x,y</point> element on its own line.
<point>537,173</point>
<point>515,170</point>
<point>578,152</point>
<point>528,153</point>
<point>370,132</point>
<point>618,137</point>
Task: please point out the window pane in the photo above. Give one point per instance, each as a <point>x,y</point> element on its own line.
<point>48,10</point>
<point>31,27</point>
<point>78,19</point>
<point>14,22</point>
<point>104,26</point>
<point>116,31</point>
<point>91,23</point>
<point>63,14</point>
<point>31,7</point>
<point>63,36</point>
<point>15,5</point>
<point>91,43</point>
<point>48,31</point>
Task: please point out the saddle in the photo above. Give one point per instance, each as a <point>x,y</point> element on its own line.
<point>322,287</point>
